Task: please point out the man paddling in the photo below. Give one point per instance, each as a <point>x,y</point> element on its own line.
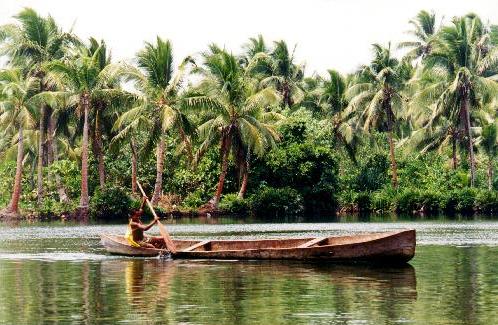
<point>135,233</point>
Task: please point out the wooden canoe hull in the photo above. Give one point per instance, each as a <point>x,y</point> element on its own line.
<point>390,247</point>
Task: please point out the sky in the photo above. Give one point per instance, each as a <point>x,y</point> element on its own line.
<point>329,34</point>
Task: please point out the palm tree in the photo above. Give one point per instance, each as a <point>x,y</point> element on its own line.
<point>253,47</point>
<point>81,82</point>
<point>160,106</point>
<point>465,62</point>
<point>17,111</point>
<point>424,31</point>
<point>490,147</point>
<point>278,69</point>
<point>33,42</point>
<point>235,107</point>
<point>375,96</point>
<point>333,101</point>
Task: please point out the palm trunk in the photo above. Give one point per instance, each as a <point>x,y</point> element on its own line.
<point>188,146</point>
<point>16,193</point>
<point>245,176</point>
<point>465,110</point>
<point>99,152</point>
<point>490,173</point>
<point>454,156</point>
<point>133,167</point>
<point>158,187</point>
<point>394,166</point>
<point>225,150</point>
<point>84,198</point>
<point>54,157</point>
<point>41,139</point>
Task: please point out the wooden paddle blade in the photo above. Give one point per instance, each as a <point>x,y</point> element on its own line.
<point>167,239</point>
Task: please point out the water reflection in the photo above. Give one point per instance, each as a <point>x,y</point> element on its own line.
<point>193,291</point>
<point>62,275</point>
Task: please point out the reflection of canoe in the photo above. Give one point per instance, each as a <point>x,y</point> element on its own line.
<point>398,246</point>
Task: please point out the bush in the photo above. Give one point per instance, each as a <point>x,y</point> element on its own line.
<point>486,201</point>
<point>51,208</point>
<point>408,201</point>
<point>465,200</point>
<point>429,201</point>
<point>275,202</point>
<point>459,200</point>
<point>110,202</point>
<point>347,200</point>
<point>231,203</point>
<point>373,175</point>
<point>383,200</point>
<point>363,201</point>
<point>194,200</point>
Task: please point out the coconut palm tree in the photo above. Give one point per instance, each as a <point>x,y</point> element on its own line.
<point>18,112</point>
<point>375,97</point>
<point>465,63</point>
<point>277,69</point>
<point>81,82</point>
<point>235,107</point>
<point>159,108</point>
<point>31,43</point>
<point>424,31</point>
<point>333,102</point>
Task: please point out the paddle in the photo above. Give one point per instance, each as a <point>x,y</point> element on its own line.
<point>162,229</point>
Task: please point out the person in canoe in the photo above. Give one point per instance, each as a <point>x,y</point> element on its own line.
<point>135,233</point>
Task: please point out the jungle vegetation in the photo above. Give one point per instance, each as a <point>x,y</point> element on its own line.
<point>412,131</point>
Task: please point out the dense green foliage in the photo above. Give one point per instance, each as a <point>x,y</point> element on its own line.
<point>110,203</point>
<point>249,132</point>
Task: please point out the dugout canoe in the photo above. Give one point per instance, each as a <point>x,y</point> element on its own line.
<point>385,247</point>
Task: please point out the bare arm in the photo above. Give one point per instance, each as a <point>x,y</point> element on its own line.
<point>142,226</point>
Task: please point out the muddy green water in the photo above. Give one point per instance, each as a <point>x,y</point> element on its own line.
<point>59,274</point>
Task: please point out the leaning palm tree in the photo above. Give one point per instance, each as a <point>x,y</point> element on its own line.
<point>31,43</point>
<point>81,81</point>
<point>159,108</point>
<point>424,31</point>
<point>375,97</point>
<point>465,63</point>
<point>234,105</point>
<point>17,112</point>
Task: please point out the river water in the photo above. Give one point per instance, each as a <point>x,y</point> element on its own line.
<point>58,273</point>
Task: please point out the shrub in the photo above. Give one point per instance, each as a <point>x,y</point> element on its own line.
<point>231,203</point>
<point>465,200</point>
<point>459,200</point>
<point>275,202</point>
<point>408,201</point>
<point>383,200</point>
<point>194,200</point>
<point>429,201</point>
<point>110,202</point>
<point>373,174</point>
<point>347,200</point>
<point>486,201</point>
<point>51,208</point>
<point>363,201</point>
